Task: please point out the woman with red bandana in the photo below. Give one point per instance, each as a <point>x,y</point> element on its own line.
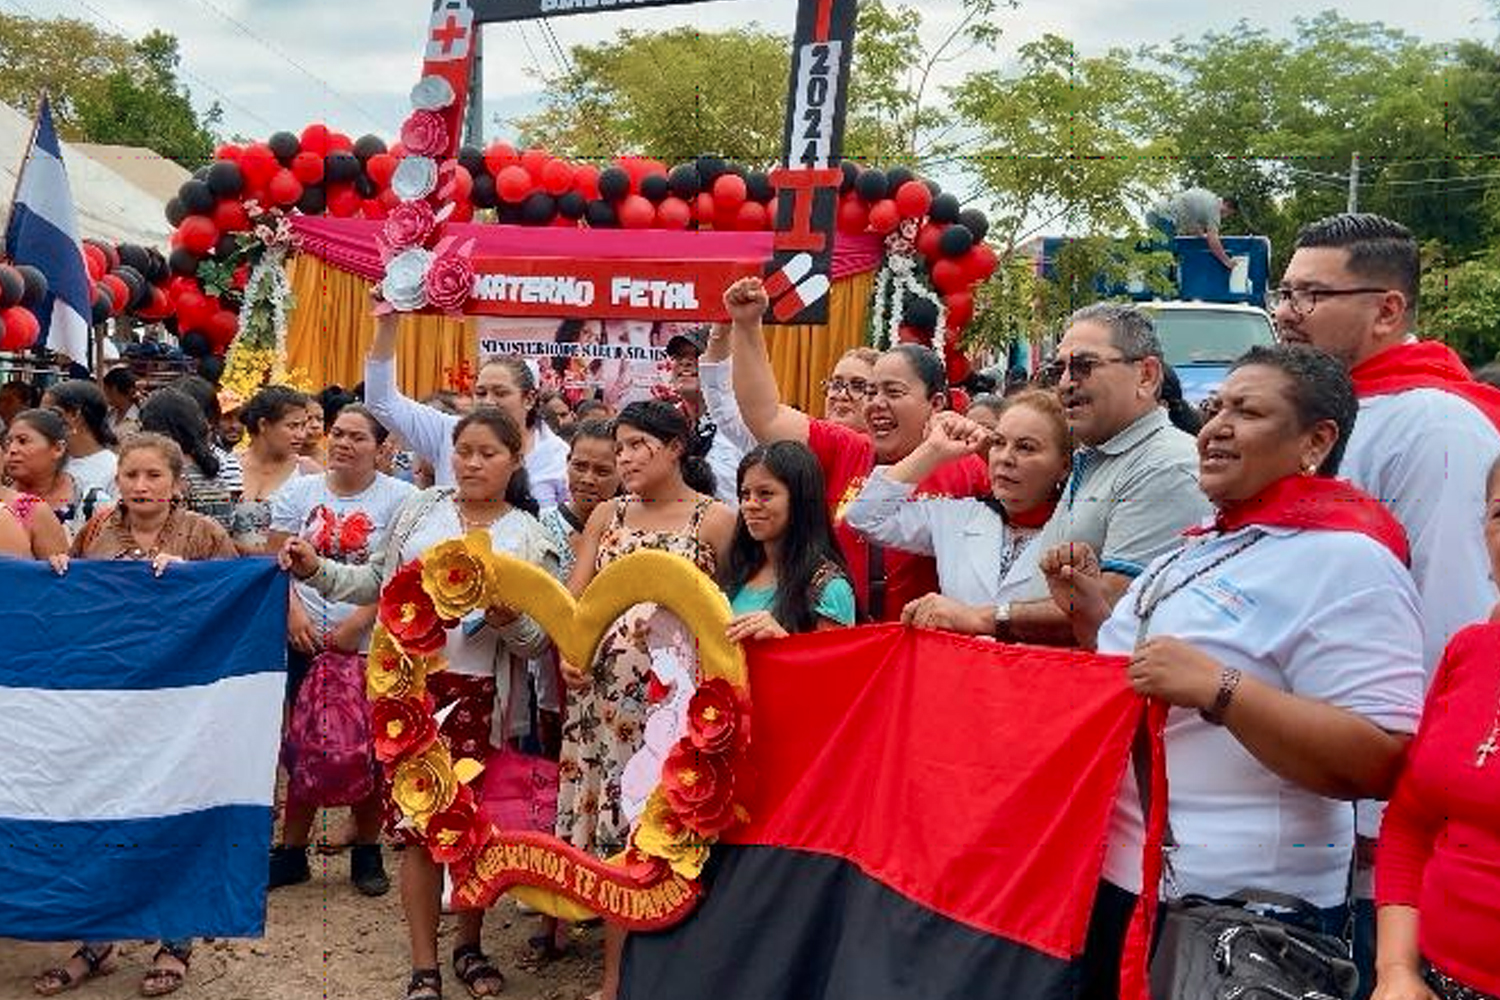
<point>342,514</point>
<point>1286,639</point>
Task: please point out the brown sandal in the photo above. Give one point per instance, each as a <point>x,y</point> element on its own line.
<point>158,982</point>
<point>59,980</point>
<point>474,969</point>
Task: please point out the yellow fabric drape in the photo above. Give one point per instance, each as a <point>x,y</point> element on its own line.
<point>331,328</point>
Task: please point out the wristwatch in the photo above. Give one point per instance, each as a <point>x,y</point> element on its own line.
<point>1002,621</point>
<point>1229,680</point>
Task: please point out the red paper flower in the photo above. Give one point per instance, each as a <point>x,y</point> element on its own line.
<point>408,613</point>
<point>425,134</point>
<point>454,834</point>
<point>700,789</point>
<point>401,727</point>
<point>450,280</point>
<point>408,225</point>
<point>718,719</point>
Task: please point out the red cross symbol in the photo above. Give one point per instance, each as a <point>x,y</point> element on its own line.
<point>450,34</point>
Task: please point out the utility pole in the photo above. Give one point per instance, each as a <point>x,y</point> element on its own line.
<point>1353,182</point>
<point>474,119</point>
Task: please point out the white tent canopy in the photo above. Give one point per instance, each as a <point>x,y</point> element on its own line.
<point>110,206</point>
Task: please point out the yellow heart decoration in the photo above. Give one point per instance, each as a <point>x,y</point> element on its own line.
<point>577,627</point>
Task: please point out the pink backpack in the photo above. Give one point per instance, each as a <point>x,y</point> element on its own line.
<point>328,751</point>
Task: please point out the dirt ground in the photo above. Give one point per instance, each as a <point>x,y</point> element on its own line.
<point>324,941</point>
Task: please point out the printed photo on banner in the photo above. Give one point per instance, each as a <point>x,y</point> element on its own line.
<point>617,361</point>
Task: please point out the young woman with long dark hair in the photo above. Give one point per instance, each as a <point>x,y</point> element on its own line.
<point>786,571</point>
<point>83,407</point>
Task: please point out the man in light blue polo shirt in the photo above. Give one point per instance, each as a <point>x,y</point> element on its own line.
<point>1134,487</point>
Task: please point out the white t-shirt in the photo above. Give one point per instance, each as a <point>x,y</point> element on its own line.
<point>1326,615</point>
<point>346,529</point>
<point>96,473</point>
<point>429,433</point>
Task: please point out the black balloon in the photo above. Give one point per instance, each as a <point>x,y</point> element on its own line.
<point>483,194</point>
<point>211,368</point>
<point>197,198</point>
<point>183,261</point>
<point>103,304</point>
<point>897,176</point>
<point>685,181</point>
<point>758,186</point>
<point>133,281</point>
<point>975,222</point>
<point>919,313</point>
<point>225,180</point>
<point>572,206</point>
<point>614,183</point>
<point>314,199</point>
<point>201,174</point>
<point>156,271</point>
<point>176,212</point>
<point>365,188</point>
<point>601,215</point>
<point>195,345</point>
<point>655,188</point>
<point>135,257</point>
<point>36,286</point>
<point>871,185</point>
<point>538,209</point>
<point>226,247</point>
<point>851,174</point>
<point>369,145</point>
<point>934,187</point>
<point>955,241</point>
<point>12,286</point>
<point>508,214</point>
<point>340,168</point>
<point>709,169</point>
<point>284,146</point>
<point>945,208</point>
<point>471,158</point>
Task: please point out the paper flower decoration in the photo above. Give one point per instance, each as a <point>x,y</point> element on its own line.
<point>424,785</point>
<point>456,832</point>
<point>402,727</point>
<point>700,789</point>
<point>390,673</point>
<point>408,225</point>
<point>415,178</point>
<point>424,133</point>
<point>453,575</point>
<point>432,93</point>
<point>450,280</point>
<point>664,835</point>
<point>405,284</point>
<point>718,720</point>
<point>408,613</point>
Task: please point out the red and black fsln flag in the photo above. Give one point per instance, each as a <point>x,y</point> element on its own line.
<point>928,821</point>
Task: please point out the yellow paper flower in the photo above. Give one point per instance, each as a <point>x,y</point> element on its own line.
<point>662,835</point>
<point>425,785</point>
<point>390,673</point>
<point>453,574</point>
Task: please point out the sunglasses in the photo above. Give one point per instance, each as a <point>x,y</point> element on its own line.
<point>1080,365</point>
<point>850,387</point>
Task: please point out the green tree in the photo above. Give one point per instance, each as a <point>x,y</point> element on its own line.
<point>1460,302</point>
<point>63,57</point>
<point>144,105</point>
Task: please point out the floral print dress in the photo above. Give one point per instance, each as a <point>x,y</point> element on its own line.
<point>606,721</point>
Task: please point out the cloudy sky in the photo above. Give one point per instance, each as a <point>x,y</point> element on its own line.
<point>280,64</point>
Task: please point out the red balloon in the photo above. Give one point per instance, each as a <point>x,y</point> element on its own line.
<point>284,188</point>
<point>913,199</point>
<point>960,306</point>
<point>514,184</point>
<point>258,164</point>
<point>119,292</point>
<point>373,209</point>
<point>21,329</point>
<point>198,233</point>
<point>307,167</point>
<point>220,330</point>
<point>193,310</point>
<point>180,284</point>
<point>397,150</point>
<point>95,261</point>
<point>381,168</point>
<point>229,152</point>
<point>454,182</point>
<point>980,262</point>
<point>557,177</point>
<point>730,192</point>
<point>535,161</point>
<point>636,212</point>
<point>948,277</point>
<point>958,400</point>
<point>586,180</point>
<point>703,208</point>
<point>885,216</point>
<point>389,199</point>
<point>928,238</point>
<point>673,213</point>
<point>463,211</point>
<point>911,335</point>
<point>315,141</point>
<point>854,218</point>
<point>343,201</point>
<point>338,142</point>
<point>958,366</point>
<point>751,217</point>
<point>230,216</point>
<point>159,306</point>
<point>499,156</point>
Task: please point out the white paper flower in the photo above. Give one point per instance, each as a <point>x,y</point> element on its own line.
<point>432,93</point>
<point>405,284</point>
<point>415,178</point>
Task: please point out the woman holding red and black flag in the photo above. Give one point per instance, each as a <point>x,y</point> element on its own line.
<point>1286,701</point>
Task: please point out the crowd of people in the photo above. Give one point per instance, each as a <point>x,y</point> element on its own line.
<point>1295,570</point>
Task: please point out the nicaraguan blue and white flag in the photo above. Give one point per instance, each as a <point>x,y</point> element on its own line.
<point>43,232</point>
<point>139,724</point>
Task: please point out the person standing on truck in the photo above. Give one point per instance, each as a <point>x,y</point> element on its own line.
<point>1194,212</point>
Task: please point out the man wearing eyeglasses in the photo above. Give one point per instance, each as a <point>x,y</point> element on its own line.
<point>1424,440</point>
<point>1134,486</point>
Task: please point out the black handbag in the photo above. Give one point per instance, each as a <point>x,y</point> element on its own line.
<point>1217,949</point>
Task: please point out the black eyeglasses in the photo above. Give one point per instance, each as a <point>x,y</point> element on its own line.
<point>849,387</point>
<point>1081,365</point>
<point>1303,301</point>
